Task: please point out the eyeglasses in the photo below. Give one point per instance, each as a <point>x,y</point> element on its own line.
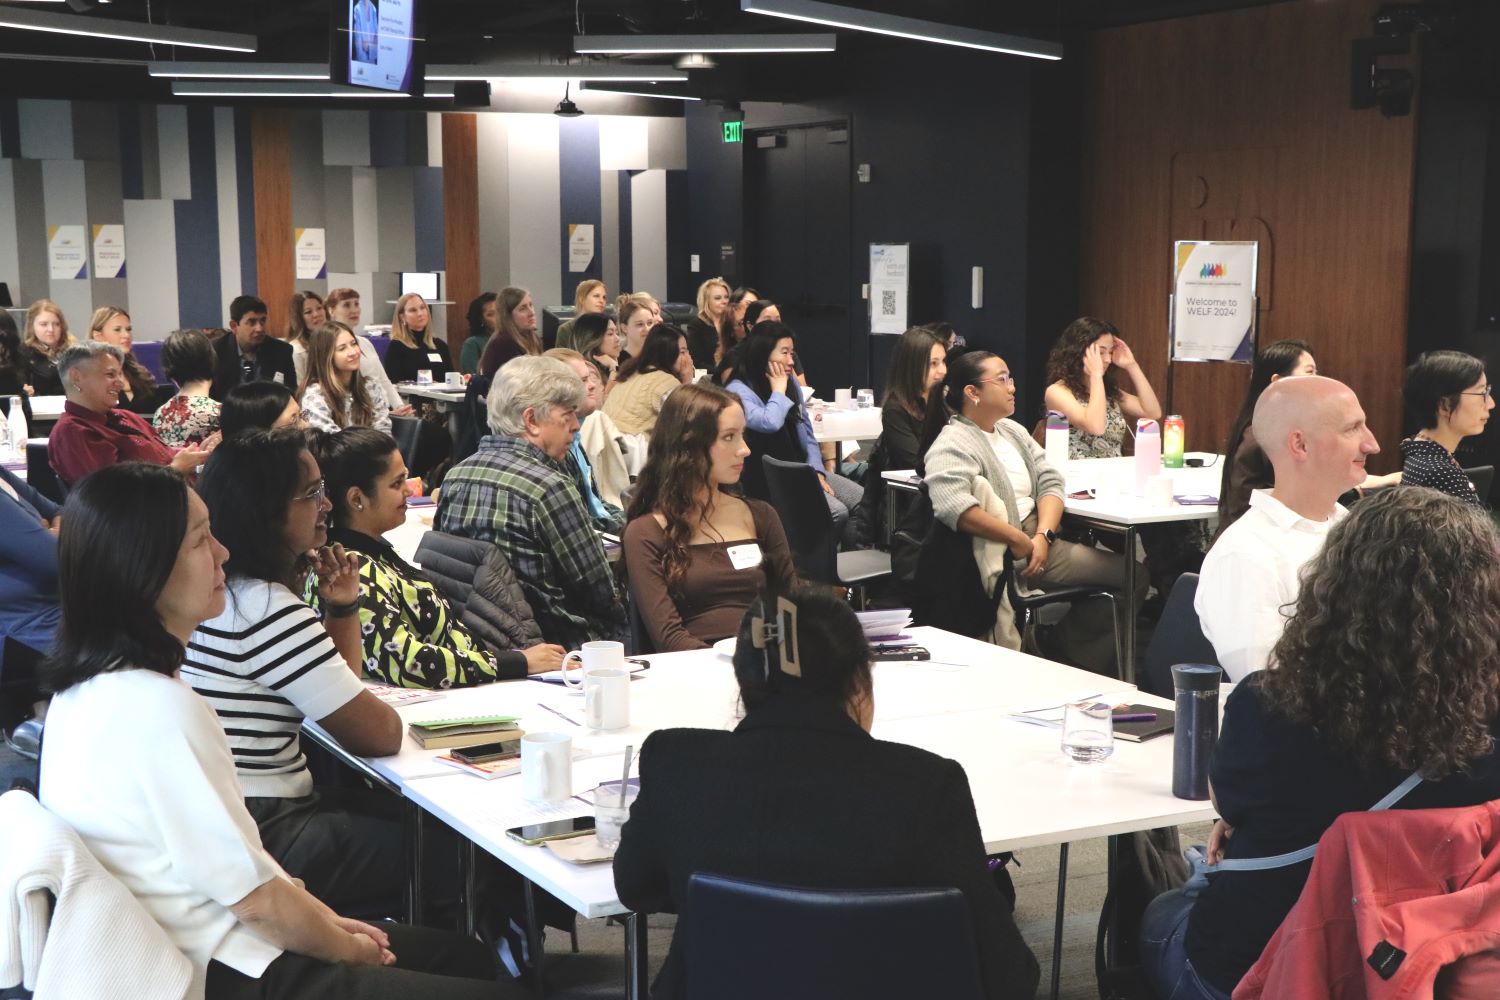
<point>1487,391</point>
<point>316,494</point>
<point>1006,378</point>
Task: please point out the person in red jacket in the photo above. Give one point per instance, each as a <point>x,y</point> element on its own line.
<point>1386,667</point>
<point>92,432</point>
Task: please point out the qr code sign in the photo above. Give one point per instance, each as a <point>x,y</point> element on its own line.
<point>887,302</point>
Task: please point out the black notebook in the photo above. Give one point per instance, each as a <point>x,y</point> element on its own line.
<point>1139,732</point>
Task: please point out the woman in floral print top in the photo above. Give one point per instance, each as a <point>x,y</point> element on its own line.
<point>189,419</point>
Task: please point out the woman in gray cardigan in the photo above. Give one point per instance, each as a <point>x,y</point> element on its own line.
<point>972,439</point>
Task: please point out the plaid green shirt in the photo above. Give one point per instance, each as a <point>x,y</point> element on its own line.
<point>510,493</point>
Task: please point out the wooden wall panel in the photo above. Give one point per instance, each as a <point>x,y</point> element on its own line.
<point>271,177</point>
<point>460,222</point>
<point>1237,126</point>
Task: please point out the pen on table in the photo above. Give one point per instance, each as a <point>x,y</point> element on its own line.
<point>1134,717</point>
<point>560,715</point>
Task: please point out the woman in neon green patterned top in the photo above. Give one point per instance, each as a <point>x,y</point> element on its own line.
<point>412,637</point>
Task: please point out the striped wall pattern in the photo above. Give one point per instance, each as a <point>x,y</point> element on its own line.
<point>182,180</point>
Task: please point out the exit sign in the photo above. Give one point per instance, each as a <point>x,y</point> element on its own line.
<point>734,131</point>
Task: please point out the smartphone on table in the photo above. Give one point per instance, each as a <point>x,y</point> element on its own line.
<point>561,829</point>
<point>486,752</point>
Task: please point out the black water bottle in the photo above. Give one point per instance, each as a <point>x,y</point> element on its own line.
<point>1196,728</point>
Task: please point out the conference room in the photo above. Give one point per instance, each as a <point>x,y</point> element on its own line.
<point>747,497</point>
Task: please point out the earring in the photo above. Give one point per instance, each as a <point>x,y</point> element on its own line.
<point>359,506</point>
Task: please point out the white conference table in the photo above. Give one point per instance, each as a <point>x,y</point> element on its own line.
<point>846,425</point>
<point>1026,793</point>
<point>438,392</point>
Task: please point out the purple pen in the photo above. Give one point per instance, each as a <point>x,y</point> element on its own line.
<point>1134,717</point>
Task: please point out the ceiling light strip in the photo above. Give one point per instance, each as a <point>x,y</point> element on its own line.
<point>292,88</point>
<point>522,71</point>
<point>238,70</point>
<point>622,44</point>
<point>836,16</point>
<point>638,93</point>
<point>125,31</point>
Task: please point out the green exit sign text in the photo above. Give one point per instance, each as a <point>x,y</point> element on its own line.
<point>734,131</point>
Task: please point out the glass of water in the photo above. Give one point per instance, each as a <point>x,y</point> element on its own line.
<point>609,814</point>
<point>866,398</point>
<point>1088,733</point>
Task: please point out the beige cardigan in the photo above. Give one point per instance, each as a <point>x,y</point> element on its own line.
<point>634,403</point>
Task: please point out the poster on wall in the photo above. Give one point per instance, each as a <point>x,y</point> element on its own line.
<point>889,286</point>
<point>67,253</point>
<point>312,256</point>
<point>1213,300</point>
<point>580,246</point>
<point>109,251</point>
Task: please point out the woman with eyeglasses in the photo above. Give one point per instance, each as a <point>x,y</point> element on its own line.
<point>267,661</point>
<point>1018,504</point>
<point>1448,397</point>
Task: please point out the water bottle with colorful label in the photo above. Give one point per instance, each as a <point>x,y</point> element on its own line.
<point>1147,453</point>
<point>1173,438</point>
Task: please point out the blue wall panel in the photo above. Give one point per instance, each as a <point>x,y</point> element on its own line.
<point>578,167</point>
<point>427,205</point>
<point>132,173</point>
<point>200,301</point>
<point>244,176</point>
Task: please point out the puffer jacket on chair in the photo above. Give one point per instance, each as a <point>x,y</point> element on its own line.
<point>476,577</point>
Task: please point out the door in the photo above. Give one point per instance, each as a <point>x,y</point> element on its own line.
<point>797,236</point>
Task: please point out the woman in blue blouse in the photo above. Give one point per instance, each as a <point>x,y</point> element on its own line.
<point>28,565</point>
<point>776,420</point>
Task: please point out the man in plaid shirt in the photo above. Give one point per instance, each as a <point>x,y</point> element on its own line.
<point>516,492</point>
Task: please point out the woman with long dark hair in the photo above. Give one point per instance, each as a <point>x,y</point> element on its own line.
<point>267,661</point>
<point>1246,467</point>
<point>1448,398</point>
<point>412,637</point>
<point>483,317</point>
<point>515,331</point>
<point>775,799</point>
<point>305,312</point>
<point>1386,667</point>
<point>919,361</point>
<point>13,370</point>
<point>137,764</point>
<point>1083,385</point>
<point>776,418</point>
<point>731,323</point>
<point>598,340</point>
<point>335,394</point>
<point>697,553</point>
<point>645,380</point>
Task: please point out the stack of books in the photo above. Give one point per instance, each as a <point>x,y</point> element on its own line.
<point>440,734</point>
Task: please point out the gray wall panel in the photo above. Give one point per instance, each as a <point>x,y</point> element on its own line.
<point>396,208</point>
<point>172,141</point>
<point>366,219</point>
<point>226,173</point>
<point>346,138</point>
<point>10,257</point>
<point>307,170</point>
<point>46,129</point>
<point>150,151</point>
<point>151,238</point>
<point>338,214</point>
<point>101,179</point>
<point>96,131</point>
<point>536,235</point>
<point>609,239</point>
<point>31,231</point>
<point>648,232</point>
<point>493,139</point>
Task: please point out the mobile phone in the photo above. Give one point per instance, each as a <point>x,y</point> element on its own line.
<point>883,653</point>
<point>636,661</point>
<point>486,752</point>
<point>562,829</point>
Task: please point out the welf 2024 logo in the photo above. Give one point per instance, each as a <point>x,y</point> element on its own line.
<point>1212,271</point>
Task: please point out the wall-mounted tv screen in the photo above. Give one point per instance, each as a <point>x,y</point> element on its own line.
<point>423,283</point>
<point>374,43</point>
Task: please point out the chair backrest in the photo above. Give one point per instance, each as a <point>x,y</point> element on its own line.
<point>1178,639</point>
<point>798,497</point>
<point>1483,477</point>
<point>640,636</point>
<point>39,474</point>
<point>406,431</point>
<point>867,943</point>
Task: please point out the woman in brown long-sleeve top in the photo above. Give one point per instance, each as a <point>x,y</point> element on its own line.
<point>698,554</point>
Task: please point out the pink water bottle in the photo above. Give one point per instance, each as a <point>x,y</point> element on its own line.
<point>1147,452</point>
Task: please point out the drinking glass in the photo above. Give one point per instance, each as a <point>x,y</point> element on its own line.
<point>1088,733</point>
<point>609,814</point>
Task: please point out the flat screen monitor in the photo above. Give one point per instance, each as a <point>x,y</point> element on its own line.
<point>423,283</point>
<point>373,43</point>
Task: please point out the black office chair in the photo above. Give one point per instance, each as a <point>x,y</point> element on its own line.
<point>640,636</point>
<point>1027,605</point>
<point>752,940</point>
<point>1178,639</point>
<point>1483,477</point>
<point>798,497</point>
<point>39,474</point>
<point>406,431</point>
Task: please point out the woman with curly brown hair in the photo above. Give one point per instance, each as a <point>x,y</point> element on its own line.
<point>1083,386</point>
<point>1368,684</point>
<point>698,554</point>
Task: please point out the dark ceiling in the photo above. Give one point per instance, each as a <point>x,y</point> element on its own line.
<point>468,31</point>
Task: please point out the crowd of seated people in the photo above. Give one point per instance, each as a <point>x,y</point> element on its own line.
<point>262,592</point>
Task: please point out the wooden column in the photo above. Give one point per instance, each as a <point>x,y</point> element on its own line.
<point>271,174</point>
<point>460,223</point>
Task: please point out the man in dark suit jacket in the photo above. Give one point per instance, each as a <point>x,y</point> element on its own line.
<point>801,794</point>
<point>248,354</point>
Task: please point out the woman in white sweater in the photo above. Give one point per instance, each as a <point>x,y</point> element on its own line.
<point>335,394</point>
<point>971,439</point>
<point>138,765</point>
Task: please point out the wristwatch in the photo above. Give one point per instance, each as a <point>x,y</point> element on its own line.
<point>1049,534</point>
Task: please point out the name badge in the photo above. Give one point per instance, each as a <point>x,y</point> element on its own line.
<point>277,377</point>
<point>746,556</point>
<point>434,356</point>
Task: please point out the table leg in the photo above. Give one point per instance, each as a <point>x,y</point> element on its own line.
<point>1057,927</point>
<point>534,938</point>
<point>890,512</point>
<point>412,821</point>
<point>1127,666</point>
<point>636,965</point>
<point>468,865</point>
<point>1112,940</point>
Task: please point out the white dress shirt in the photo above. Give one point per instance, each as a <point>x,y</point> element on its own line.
<point>1250,580</point>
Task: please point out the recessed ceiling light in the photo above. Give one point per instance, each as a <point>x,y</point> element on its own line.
<point>854,19</point>
<point>125,31</point>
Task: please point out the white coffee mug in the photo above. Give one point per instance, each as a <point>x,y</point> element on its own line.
<point>602,655</point>
<point>454,380</point>
<point>843,399</point>
<point>606,698</point>
<point>546,767</point>
<point>1159,491</point>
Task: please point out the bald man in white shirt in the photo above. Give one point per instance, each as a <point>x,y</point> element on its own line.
<point>1314,432</point>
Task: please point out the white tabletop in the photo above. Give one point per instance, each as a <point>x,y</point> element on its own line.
<point>47,407</point>
<point>1027,794</point>
<point>840,425</point>
<point>436,391</point>
<point>1117,502</point>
